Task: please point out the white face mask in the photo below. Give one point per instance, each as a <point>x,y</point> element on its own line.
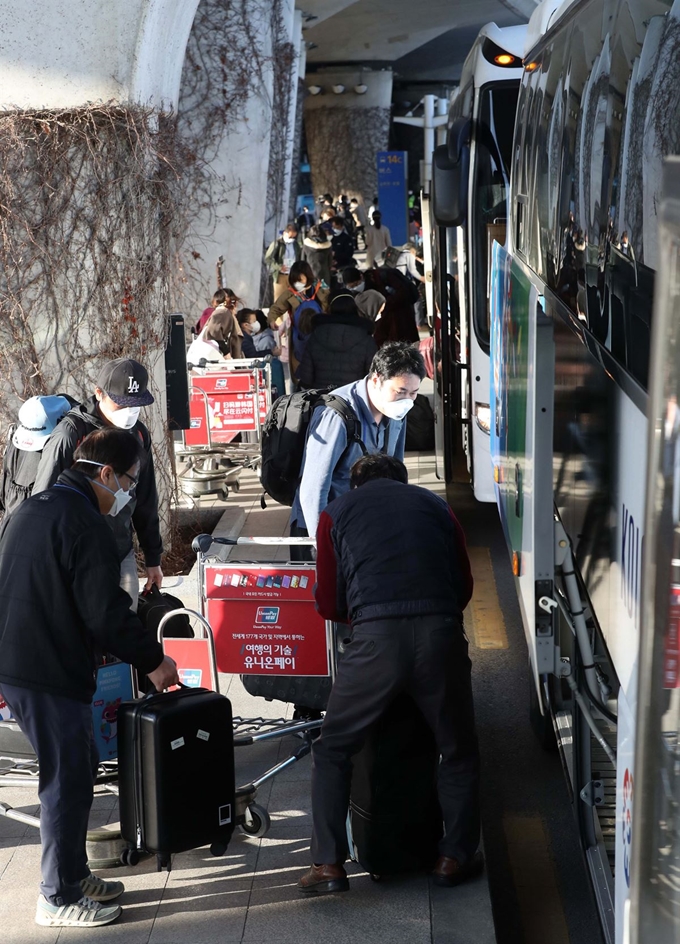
<point>125,418</point>
<point>255,326</point>
<point>358,289</point>
<point>120,496</point>
<point>337,231</point>
<point>396,409</point>
<point>287,238</point>
<point>300,286</point>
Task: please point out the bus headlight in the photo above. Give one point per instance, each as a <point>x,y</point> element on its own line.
<point>483,417</point>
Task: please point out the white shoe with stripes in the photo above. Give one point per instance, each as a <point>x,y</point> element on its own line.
<point>84,913</point>
<point>98,889</point>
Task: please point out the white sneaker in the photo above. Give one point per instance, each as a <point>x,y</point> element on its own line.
<point>85,913</point>
<point>98,889</point>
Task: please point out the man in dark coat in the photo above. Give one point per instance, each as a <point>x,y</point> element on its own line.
<point>61,608</point>
<point>391,561</point>
<point>120,393</point>
<point>340,348</point>
<point>342,244</point>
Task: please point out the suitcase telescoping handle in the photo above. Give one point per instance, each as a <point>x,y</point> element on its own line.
<point>202,543</point>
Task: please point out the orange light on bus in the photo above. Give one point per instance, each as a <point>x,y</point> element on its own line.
<point>531,66</point>
<point>516,564</point>
<point>504,59</point>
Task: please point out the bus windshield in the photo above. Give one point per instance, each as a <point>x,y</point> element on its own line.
<point>490,180</point>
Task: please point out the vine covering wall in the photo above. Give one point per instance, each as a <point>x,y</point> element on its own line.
<point>238,54</point>
<point>91,215</point>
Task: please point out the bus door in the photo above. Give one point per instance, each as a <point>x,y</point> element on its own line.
<point>650,808</point>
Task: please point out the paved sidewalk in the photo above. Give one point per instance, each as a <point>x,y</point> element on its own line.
<point>249,895</point>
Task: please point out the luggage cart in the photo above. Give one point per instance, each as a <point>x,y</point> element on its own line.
<point>225,400</point>
<point>264,621</point>
<point>197,668</point>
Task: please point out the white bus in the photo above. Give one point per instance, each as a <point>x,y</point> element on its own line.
<point>462,228</point>
<point>571,300</point>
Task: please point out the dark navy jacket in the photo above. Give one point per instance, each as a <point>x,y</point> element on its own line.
<point>388,550</point>
<point>61,603</point>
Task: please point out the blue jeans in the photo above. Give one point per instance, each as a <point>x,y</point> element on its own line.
<point>60,732</point>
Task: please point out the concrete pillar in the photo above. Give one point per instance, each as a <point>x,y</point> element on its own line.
<point>284,110</point>
<point>235,105</point>
<point>345,130</point>
<point>65,55</point>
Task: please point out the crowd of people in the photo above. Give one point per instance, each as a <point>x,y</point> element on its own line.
<point>78,482</point>
<point>329,313</point>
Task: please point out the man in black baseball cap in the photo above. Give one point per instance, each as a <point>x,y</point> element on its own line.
<point>120,393</point>
<point>125,382</point>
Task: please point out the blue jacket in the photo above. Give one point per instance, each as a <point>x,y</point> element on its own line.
<point>327,460</point>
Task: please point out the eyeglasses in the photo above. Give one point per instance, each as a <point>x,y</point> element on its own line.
<point>132,479</point>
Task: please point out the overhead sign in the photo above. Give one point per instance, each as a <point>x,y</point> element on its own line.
<point>393,193</point>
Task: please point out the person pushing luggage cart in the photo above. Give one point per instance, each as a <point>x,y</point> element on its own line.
<point>391,561</point>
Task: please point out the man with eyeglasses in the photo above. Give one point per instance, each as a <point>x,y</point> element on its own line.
<point>61,607</point>
<point>120,393</point>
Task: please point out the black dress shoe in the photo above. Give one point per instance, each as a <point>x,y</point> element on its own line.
<point>449,872</point>
<point>324,879</point>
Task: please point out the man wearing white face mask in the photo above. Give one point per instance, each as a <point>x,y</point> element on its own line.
<point>61,607</point>
<point>120,394</point>
<point>381,401</point>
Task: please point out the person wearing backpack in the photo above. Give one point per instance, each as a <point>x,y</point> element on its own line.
<point>380,402</point>
<point>301,301</point>
<point>38,418</point>
<point>119,395</point>
<point>340,349</point>
<point>397,321</point>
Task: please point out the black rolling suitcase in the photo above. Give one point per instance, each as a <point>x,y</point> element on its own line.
<point>176,773</point>
<point>395,821</point>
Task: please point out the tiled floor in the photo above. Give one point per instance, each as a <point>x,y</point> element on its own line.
<point>248,895</point>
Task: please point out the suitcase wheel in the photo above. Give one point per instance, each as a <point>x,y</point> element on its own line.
<point>376,878</point>
<point>257,821</point>
<point>163,861</point>
<point>218,848</point>
<point>129,857</point>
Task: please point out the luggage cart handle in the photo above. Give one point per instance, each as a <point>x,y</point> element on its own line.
<point>202,543</point>
<point>206,628</point>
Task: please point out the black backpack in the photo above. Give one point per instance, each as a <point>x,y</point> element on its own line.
<point>152,606</point>
<point>20,469</point>
<point>284,435</point>
<point>406,282</point>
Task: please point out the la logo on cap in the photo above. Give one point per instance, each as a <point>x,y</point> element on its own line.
<point>133,386</point>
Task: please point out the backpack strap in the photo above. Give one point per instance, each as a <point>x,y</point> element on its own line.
<point>351,420</point>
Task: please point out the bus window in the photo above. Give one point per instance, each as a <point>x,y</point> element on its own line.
<point>493,153</point>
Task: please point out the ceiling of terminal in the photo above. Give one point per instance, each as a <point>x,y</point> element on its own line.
<point>427,39</point>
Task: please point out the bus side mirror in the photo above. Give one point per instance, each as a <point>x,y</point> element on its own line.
<point>450,169</point>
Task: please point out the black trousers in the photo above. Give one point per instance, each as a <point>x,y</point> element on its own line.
<point>300,552</point>
<point>60,732</point>
<point>426,657</point>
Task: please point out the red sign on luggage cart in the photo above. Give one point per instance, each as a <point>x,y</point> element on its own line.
<point>264,619</point>
<point>222,403</point>
<point>194,661</point>
<point>671,658</point>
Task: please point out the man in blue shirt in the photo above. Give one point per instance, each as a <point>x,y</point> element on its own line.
<point>381,402</point>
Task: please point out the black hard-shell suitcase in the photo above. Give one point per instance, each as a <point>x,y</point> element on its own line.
<point>395,821</point>
<point>308,690</point>
<point>176,772</point>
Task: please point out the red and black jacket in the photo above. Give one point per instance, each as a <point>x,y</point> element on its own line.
<point>387,551</point>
